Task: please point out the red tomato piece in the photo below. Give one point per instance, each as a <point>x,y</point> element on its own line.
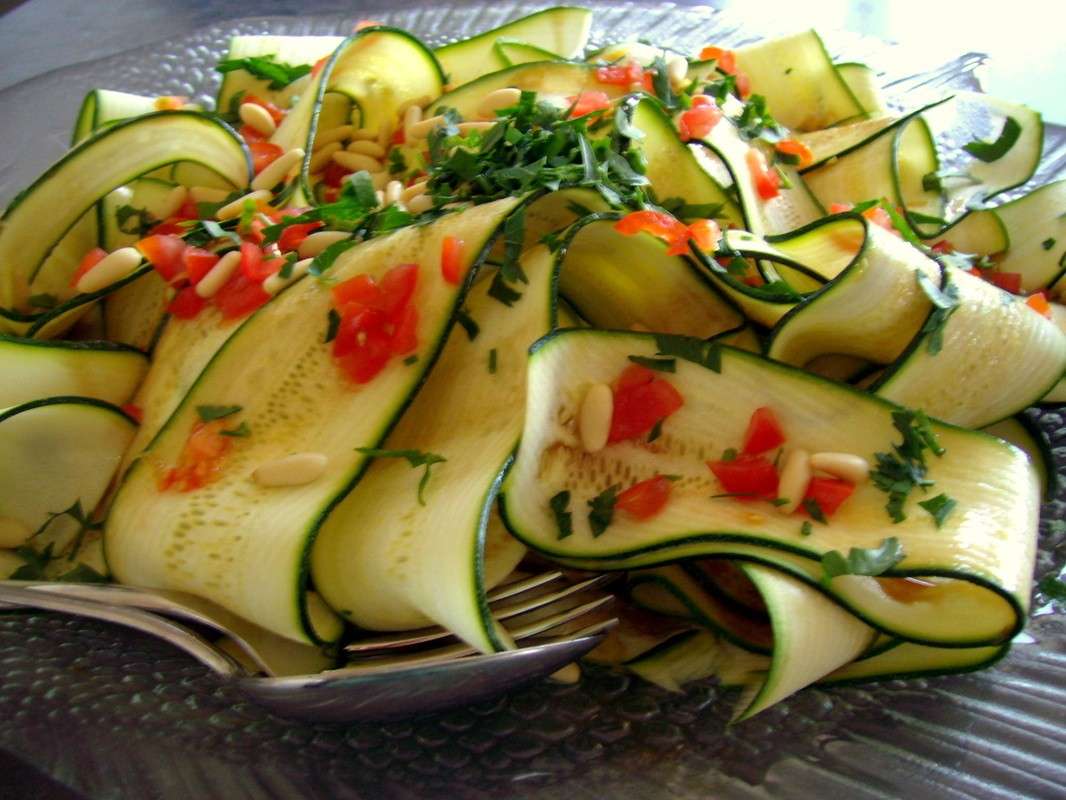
<point>878,216</point>
<point>362,291</point>
<point>201,459</point>
<point>1039,303</point>
<point>634,375</point>
<point>698,121</point>
<point>405,337</point>
<point>133,411</point>
<point>638,408</point>
<point>767,181</point>
<point>240,297</point>
<point>198,262</point>
<point>356,323</point>
<point>706,234</point>
<point>369,357</point>
<point>164,252</point>
<point>828,493</point>
<point>620,74</point>
<point>840,208</point>
<point>796,148</point>
<point>186,304</point>
<point>753,476</point>
<point>589,103</point>
<point>727,59</point>
<point>1007,281</point>
<point>251,262</point>
<point>293,235</point>
<point>658,223</point>
<point>397,287</point>
<point>334,174</point>
<point>88,261</point>
<point>263,154</point>
<point>250,134</point>
<point>451,259</point>
<point>398,137</point>
<point>645,499</point>
<point>764,432</point>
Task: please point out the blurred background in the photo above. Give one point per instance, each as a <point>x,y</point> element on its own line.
<point>1022,37</point>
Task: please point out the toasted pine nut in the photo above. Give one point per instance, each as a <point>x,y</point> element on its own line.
<point>321,158</point>
<point>372,149</point>
<point>278,170</point>
<point>319,241</point>
<point>421,102</point>
<point>848,467</point>
<point>380,195</point>
<point>111,268</point>
<point>175,199</point>
<point>414,190</point>
<point>677,70</point>
<point>594,417</point>
<point>419,204</point>
<point>501,98</point>
<point>235,208</point>
<point>393,190</point>
<point>275,283</point>
<point>217,276</point>
<point>384,137</point>
<point>365,134</point>
<point>422,129</point>
<point>295,470</point>
<point>258,118</point>
<point>468,127</point>
<point>207,194</point>
<point>13,533</point>
<point>411,116</point>
<point>795,475</point>
<point>339,134</point>
<point>356,161</point>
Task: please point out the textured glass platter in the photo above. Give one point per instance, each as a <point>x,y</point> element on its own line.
<point>115,714</point>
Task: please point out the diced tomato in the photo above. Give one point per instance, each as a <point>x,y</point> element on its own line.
<point>878,216</point>
<point>399,136</point>
<point>133,411</point>
<point>251,260</point>
<point>634,375</point>
<point>368,357</point>
<point>451,259</point>
<point>639,406</point>
<point>658,223</point>
<point>293,235</point>
<point>645,499</point>
<point>276,113</point>
<point>164,252</point>
<point>263,154</point>
<point>198,262</point>
<point>764,432</point>
<point>589,103</point>
<point>767,181</point>
<point>362,291</point>
<point>1039,303</point>
<point>706,234</point>
<point>202,458</point>
<point>702,100</point>
<point>743,84</point>
<point>620,74</point>
<point>727,59</point>
<point>334,174</point>
<point>186,304</point>
<point>405,337</point>
<point>397,287</point>
<point>1007,281</point>
<point>170,102</point>
<point>828,493</point>
<point>356,323</point>
<point>88,261</point>
<point>250,134</point>
<point>943,247</point>
<point>840,208</point>
<point>240,297</point>
<point>796,148</point>
<point>753,280</point>
<point>748,475</point>
<point>698,121</point>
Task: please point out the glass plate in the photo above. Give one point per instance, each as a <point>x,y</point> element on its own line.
<point>115,714</point>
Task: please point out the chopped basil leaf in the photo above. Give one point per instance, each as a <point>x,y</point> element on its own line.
<point>499,290</point>
<point>729,454</point>
<point>333,324</point>
<point>134,221</point>
<point>993,151</point>
<point>814,508</point>
<point>806,529</point>
<point>706,354</point>
<point>1047,244</point>
<point>211,413</point>
<point>656,431</point>
<point>601,509</point>
<point>240,432</point>
<point>416,458</point>
<point>492,361</point>
<point>658,364</point>
<point>1054,588</point>
<point>939,507</point>
<point>472,328</point>
<point>733,494</point>
<point>266,68</point>
<point>411,359</point>
<point>863,561</point>
<point>945,301</point>
<point>286,269</point>
<point>560,506</point>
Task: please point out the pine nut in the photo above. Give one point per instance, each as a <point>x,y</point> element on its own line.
<point>380,196</point>
<point>677,70</point>
<point>411,116</point>
<point>278,170</point>
<point>298,469</point>
<point>594,417</point>
<point>356,161</point>
<point>321,158</point>
<point>501,98</point>
<point>364,134</point>
<point>470,127</point>
<point>207,194</point>
<point>847,467</point>
<point>13,533</point>
<point>372,149</point>
<point>393,190</point>
<point>236,208</point>
<point>423,128</point>
<point>175,199</point>
<point>384,137</point>
<point>341,133</point>
<point>218,275</point>
<point>319,241</point>
<point>275,283</point>
<point>111,268</point>
<point>257,118</point>
<point>420,204</point>
<point>795,475</point>
<point>421,102</point>
<point>414,190</point>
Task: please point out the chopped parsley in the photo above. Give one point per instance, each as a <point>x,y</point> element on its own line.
<point>242,431</point>
<point>411,359</point>
<point>134,221</point>
<point>211,413</point>
<point>901,471</point>
<point>492,361</point>
<point>729,454</point>
<point>939,508</point>
<point>814,508</point>
<point>266,68</point>
<point>416,458</point>
<point>657,364</point>
<point>472,329</point>
<point>560,506</point>
<point>601,509</point>
<point>1048,243</point>
<point>656,431</point>
<point>863,561</point>
<point>993,151</point>
<point>806,529</point>
<point>945,302</point>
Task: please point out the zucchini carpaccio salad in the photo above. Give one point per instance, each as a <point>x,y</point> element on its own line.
<point>339,354</point>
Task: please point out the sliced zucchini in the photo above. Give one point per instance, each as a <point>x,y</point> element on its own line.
<point>102,107</point>
<point>1026,435</point>
<point>561,30</point>
<point>825,144</point>
<point>512,52</point>
<point>295,51</point>
<point>909,660</point>
<point>36,369</point>
<point>862,81</point>
<point>984,549</point>
<point>243,545</point>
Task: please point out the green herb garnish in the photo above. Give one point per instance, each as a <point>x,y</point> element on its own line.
<point>656,431</point>
<point>806,529</point>
<point>242,431</point>
<point>814,508</point>
<point>1048,243</point>
<point>492,361</point>
<point>863,561</point>
<point>601,509</point>
<point>560,506</point>
<point>945,301</point>
<point>333,324</point>
<point>416,458</point>
<point>698,351</point>
<point>901,471</point>
<point>472,328</point>
<point>211,413</point>
<point>266,68</point>
<point>658,364</point>
<point>939,507</point>
<point>993,151</point>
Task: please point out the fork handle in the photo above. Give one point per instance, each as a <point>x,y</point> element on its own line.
<point>171,632</point>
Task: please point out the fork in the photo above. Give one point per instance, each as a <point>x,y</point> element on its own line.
<point>371,688</point>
